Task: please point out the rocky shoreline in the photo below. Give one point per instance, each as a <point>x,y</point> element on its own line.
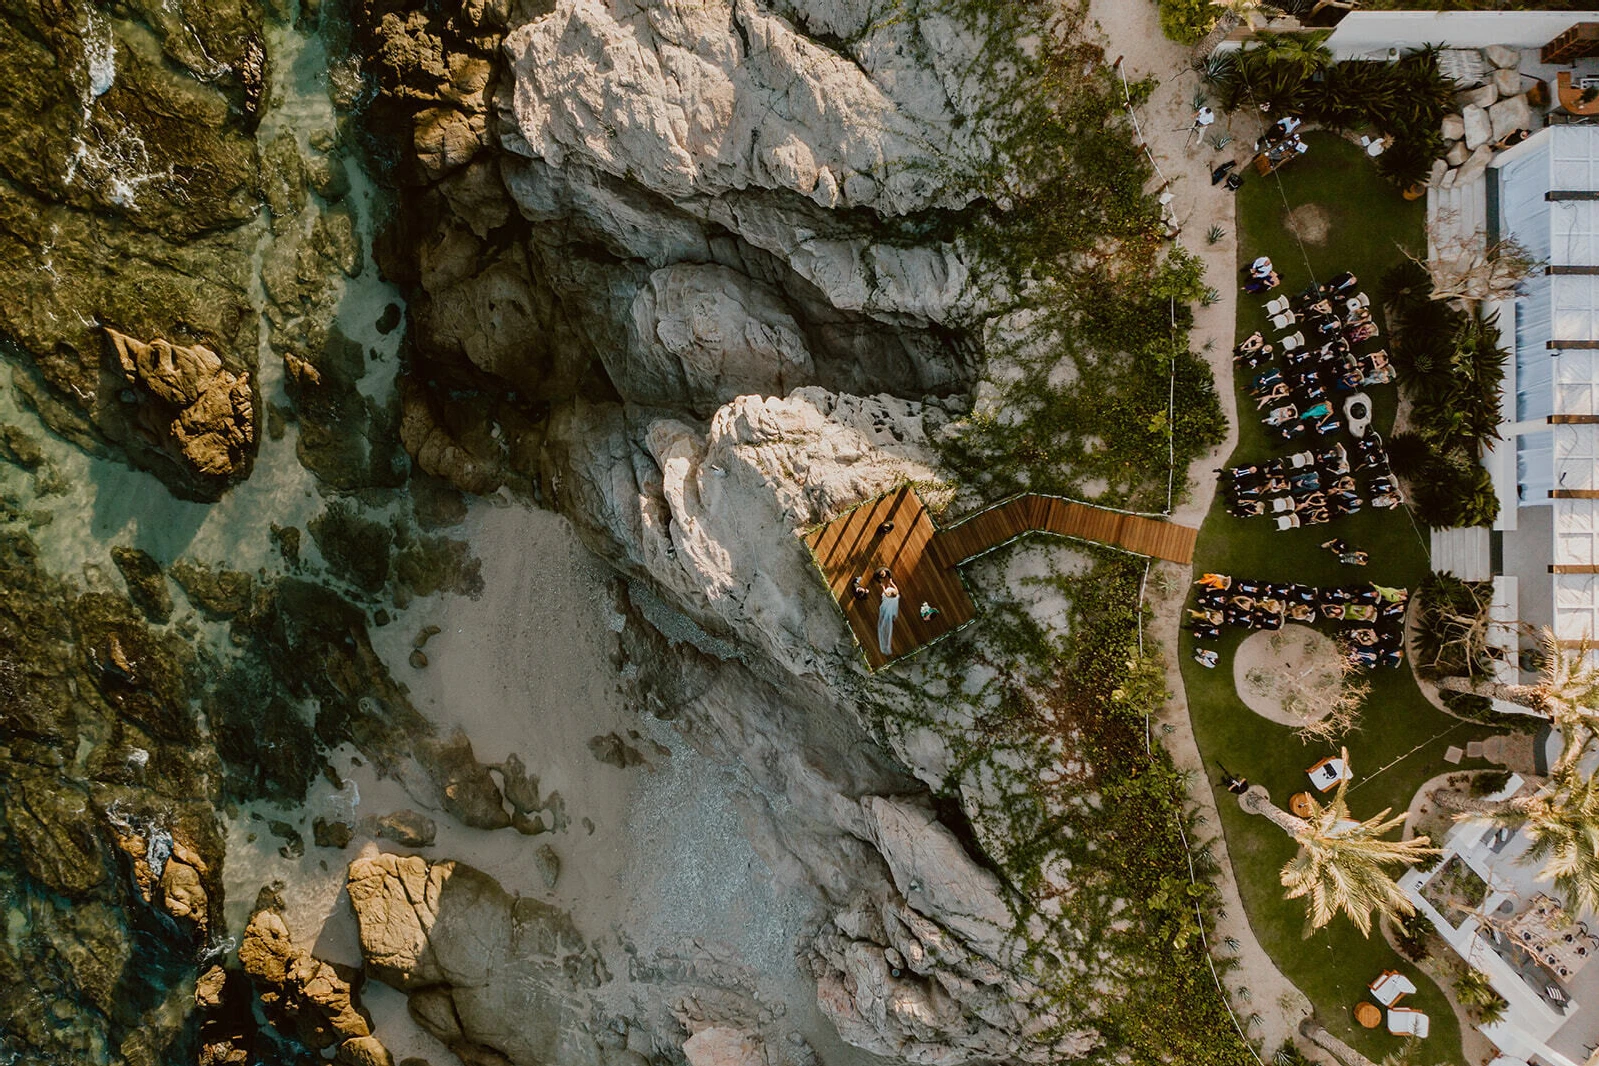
<point>318,291</point>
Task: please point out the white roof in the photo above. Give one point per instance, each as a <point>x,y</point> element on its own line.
<point>1369,34</point>
<point>1564,232</point>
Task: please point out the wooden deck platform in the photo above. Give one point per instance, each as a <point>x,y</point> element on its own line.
<point>854,546</point>
<point>925,560</point>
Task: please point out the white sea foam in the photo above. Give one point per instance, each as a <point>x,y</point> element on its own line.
<point>100,53</point>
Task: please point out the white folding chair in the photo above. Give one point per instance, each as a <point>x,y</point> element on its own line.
<point>1287,521</point>
<point>1358,301</point>
<point>1277,306</point>
<point>1281,504</point>
<point>1292,342</point>
<point>1284,320</point>
<point>1300,460</point>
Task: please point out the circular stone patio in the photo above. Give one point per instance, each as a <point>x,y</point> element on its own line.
<point>1295,664</point>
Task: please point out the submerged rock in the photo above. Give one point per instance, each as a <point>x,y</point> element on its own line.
<point>115,851</point>
<point>407,827</point>
<point>147,587</point>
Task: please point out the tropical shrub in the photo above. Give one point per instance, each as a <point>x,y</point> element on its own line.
<point>1478,996</point>
<point>1295,74</point>
<point>1187,21</point>
<point>1451,368</point>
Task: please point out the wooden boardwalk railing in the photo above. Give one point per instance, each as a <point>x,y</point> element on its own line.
<point>1032,513</point>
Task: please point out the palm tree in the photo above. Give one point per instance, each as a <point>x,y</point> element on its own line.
<point>1342,863</point>
<point>1562,822</point>
<point>1564,828</point>
<point>1566,693</point>
<point>1233,13</point>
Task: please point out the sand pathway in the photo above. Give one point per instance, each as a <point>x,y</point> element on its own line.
<point>1132,30</point>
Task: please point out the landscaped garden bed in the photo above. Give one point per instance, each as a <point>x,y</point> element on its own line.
<point>1455,890</point>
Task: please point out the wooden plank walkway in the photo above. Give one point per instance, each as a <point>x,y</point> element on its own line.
<point>895,531</point>
<point>1029,513</point>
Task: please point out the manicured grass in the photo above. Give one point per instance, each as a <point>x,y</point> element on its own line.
<point>1402,737</point>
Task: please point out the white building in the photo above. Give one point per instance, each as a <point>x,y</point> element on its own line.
<point>1549,1020</point>
<point>1545,192</point>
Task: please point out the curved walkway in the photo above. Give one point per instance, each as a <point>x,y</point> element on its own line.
<point>1133,30</point>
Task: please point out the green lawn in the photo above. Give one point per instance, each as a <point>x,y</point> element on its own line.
<point>1402,737</point>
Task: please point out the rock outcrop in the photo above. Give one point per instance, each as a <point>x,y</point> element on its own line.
<point>708,516</point>
<point>308,999</point>
<point>489,974</point>
<point>934,971</point>
<point>208,410</point>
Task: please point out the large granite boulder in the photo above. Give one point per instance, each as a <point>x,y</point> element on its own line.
<point>1509,115</point>
<point>709,515</point>
<point>1478,127</point>
<point>934,970</point>
<point>497,978</point>
<point>1502,56</point>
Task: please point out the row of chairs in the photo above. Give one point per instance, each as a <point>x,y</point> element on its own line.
<point>1283,315</point>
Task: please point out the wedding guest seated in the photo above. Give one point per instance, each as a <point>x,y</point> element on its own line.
<point>1205,632</point>
<point>1339,284</point>
<point>1251,343</point>
<point>1282,414</point>
<point>1266,380</point>
<point>1280,391</point>
<point>1300,612</point>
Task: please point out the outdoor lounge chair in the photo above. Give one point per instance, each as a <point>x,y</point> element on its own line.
<point>1328,772</point>
<point>1391,987</point>
<point>1277,306</point>
<point>1284,320</point>
<point>1287,521</point>
<point>1403,1021</point>
<point>1292,342</point>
